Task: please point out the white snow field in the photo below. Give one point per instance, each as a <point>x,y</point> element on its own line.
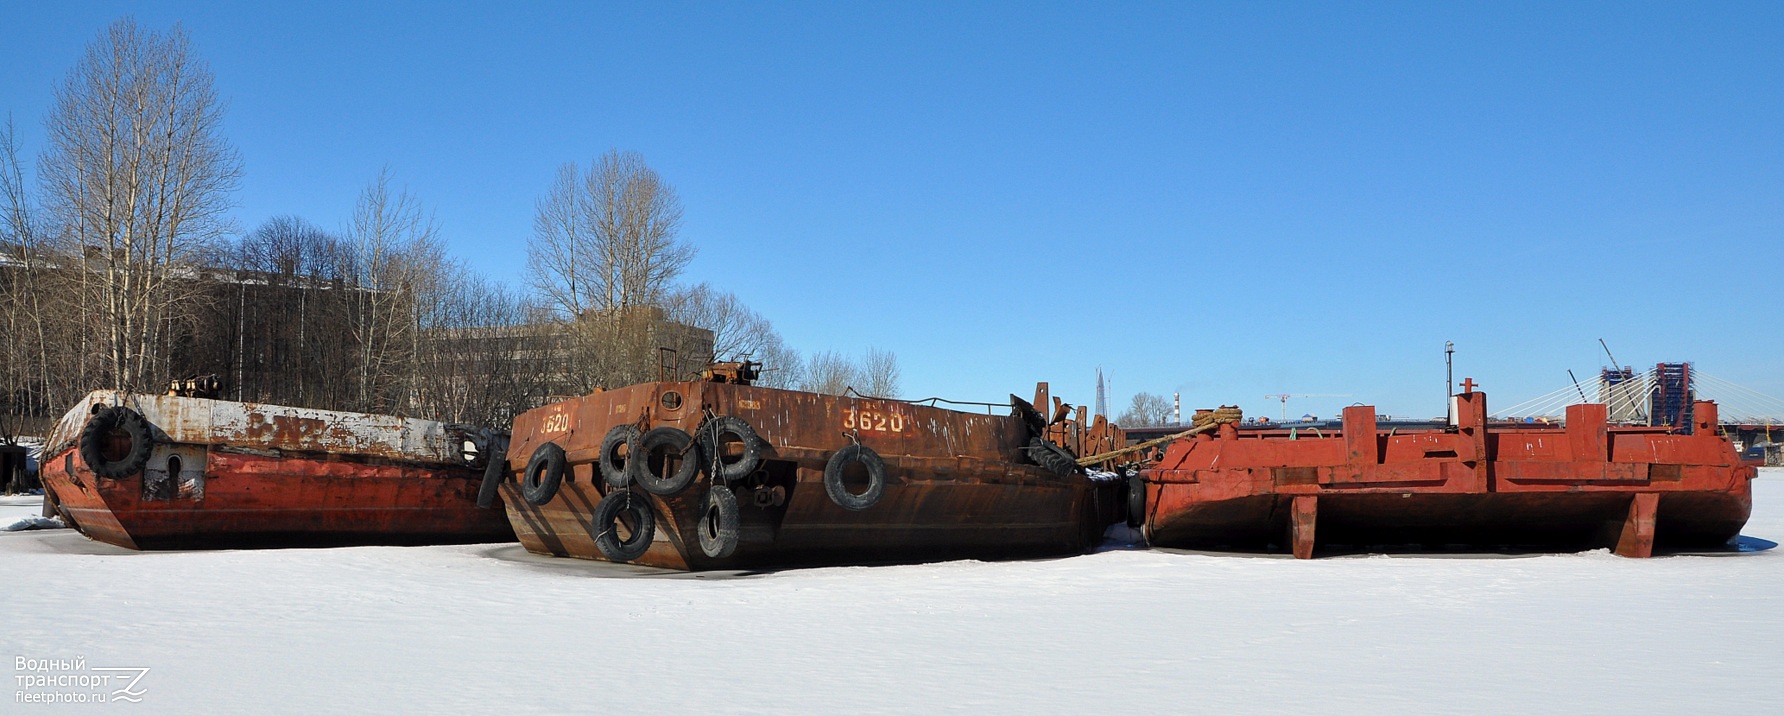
<point>16,507</point>
<point>487,629</point>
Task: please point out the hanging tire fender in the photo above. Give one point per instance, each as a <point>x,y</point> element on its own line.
<point>605,523</point>
<point>613,466</point>
<point>876,477</point>
<point>718,522</point>
<point>713,439</point>
<point>1136,499</point>
<point>102,429</point>
<point>494,472</point>
<point>657,450</point>
<point>544,474</point>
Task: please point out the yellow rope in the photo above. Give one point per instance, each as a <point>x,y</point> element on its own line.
<point>1204,420</point>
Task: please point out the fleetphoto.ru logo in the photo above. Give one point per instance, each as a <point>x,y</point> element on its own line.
<point>71,681</point>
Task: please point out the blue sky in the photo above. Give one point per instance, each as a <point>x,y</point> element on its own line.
<point>1224,199</point>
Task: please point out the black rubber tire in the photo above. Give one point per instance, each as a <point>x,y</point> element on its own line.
<point>613,468</point>
<point>655,448</point>
<point>606,518</point>
<point>717,525</point>
<point>1136,500</point>
<point>1052,458</point>
<point>493,472</point>
<point>876,478</point>
<point>712,439</point>
<point>98,430</point>
<point>544,474</point>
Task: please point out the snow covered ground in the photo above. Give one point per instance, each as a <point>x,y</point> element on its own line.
<point>487,628</point>
<point>23,512</point>
<point>14,507</point>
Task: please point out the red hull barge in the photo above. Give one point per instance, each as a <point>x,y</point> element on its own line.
<point>795,482</point>
<point>170,472</point>
<point>1521,486</point>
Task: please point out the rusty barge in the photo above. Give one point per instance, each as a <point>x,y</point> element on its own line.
<point>175,472</point>
<point>1475,485</point>
<point>721,474</point>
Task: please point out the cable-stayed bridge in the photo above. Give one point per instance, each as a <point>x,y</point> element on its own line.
<point>1663,395</point>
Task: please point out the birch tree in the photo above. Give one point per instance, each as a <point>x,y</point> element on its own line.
<point>879,374</point>
<point>876,375</point>
<point>24,364</point>
<point>604,256</point>
<point>393,261</point>
<point>830,373</point>
<point>136,179</point>
<point>606,238</point>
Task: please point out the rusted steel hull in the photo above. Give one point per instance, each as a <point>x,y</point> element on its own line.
<point>223,474</point>
<point>957,485</point>
<point>1521,487</point>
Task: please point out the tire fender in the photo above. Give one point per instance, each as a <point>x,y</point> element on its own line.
<point>604,524</point>
<point>494,472</point>
<point>717,526</point>
<point>613,467</point>
<point>544,474</point>
<point>876,477</point>
<point>101,428</point>
<point>657,450</point>
<point>1136,499</point>
<point>712,439</point>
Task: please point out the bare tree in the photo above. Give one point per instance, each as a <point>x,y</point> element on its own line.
<point>393,260</point>
<point>381,321</point>
<point>605,238</point>
<point>879,374</point>
<point>25,362</point>
<point>290,247</point>
<point>279,308</point>
<point>876,375</point>
<point>828,372</point>
<point>1146,410</point>
<point>136,179</point>
<point>738,332</point>
<point>125,277</point>
<point>782,366</point>
<point>563,254</point>
<point>604,256</point>
<point>481,363</point>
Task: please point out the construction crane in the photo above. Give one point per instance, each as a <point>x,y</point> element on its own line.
<point>1285,396</point>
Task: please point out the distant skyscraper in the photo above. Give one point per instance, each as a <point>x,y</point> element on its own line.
<point>1102,400</point>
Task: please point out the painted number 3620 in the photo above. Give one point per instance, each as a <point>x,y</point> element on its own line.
<point>873,420</point>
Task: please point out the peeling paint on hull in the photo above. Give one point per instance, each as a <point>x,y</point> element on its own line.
<point>957,485</point>
<point>255,475</point>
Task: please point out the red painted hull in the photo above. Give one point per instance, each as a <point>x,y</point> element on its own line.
<point>263,488</point>
<point>1478,486</point>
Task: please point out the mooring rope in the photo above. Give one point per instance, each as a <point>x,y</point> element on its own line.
<point>1204,420</point>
